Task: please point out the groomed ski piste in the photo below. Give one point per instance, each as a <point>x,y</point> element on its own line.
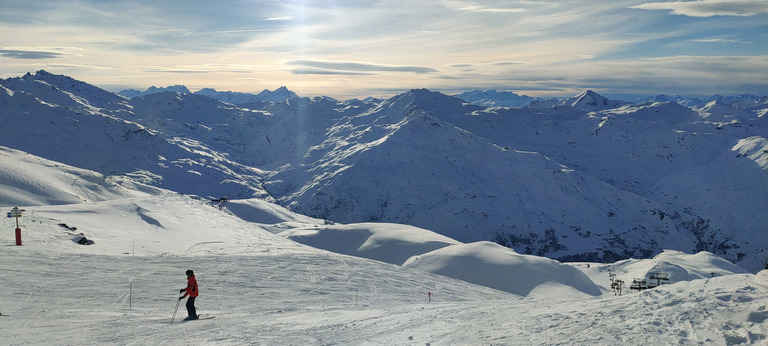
<point>273,277</point>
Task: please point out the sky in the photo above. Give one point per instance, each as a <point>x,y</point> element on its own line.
<point>346,48</point>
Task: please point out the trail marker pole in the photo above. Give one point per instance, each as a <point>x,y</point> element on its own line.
<point>130,294</point>
<point>16,212</point>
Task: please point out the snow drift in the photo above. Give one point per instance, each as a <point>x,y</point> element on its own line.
<point>493,265</point>
<point>391,243</point>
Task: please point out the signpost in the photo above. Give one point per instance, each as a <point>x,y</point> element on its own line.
<point>16,212</point>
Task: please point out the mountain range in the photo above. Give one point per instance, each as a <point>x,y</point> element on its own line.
<point>277,95</point>
<point>581,178</point>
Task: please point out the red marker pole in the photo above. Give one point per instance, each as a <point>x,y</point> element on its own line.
<point>16,213</point>
<point>18,231</point>
<point>429,294</point>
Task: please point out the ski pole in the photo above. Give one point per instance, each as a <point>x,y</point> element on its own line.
<point>177,308</point>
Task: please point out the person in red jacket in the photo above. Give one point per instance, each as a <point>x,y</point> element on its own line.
<point>192,292</point>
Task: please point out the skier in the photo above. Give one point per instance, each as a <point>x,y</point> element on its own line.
<point>191,291</point>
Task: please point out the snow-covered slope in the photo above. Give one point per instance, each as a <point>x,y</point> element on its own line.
<point>62,91</point>
<point>266,289</point>
<point>96,139</point>
<point>428,160</point>
<point>30,180</point>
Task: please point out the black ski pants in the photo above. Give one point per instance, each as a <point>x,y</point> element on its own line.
<point>191,307</point>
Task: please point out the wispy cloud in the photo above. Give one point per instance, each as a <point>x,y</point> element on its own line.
<point>710,8</point>
<point>475,7</point>
<point>205,68</point>
<point>28,54</point>
<point>81,66</point>
<point>720,40</point>
<point>304,70</point>
<point>33,53</point>
<point>243,31</point>
<point>284,18</point>
<point>344,67</point>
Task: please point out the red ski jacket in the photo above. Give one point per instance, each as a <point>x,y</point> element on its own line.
<point>191,289</point>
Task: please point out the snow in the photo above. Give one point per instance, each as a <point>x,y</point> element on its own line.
<point>30,180</point>
<point>265,288</point>
<point>578,179</point>
<point>493,98</point>
<point>391,243</point>
<point>492,265</point>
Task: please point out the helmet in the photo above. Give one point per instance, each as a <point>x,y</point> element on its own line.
<point>190,272</point>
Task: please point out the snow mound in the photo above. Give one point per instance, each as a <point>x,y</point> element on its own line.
<point>391,243</point>
<point>762,277</point>
<point>682,267</point>
<point>260,211</point>
<point>492,265</point>
<point>677,266</point>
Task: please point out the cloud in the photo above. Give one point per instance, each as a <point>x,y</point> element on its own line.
<point>719,40</point>
<point>461,65</point>
<point>472,7</point>
<point>29,54</point>
<point>205,68</point>
<point>279,18</point>
<point>345,67</point>
<point>710,8</point>
<point>243,30</point>
<point>34,53</point>
<point>493,63</point>
<point>688,75</point>
<point>327,72</point>
<point>507,63</point>
<point>80,66</point>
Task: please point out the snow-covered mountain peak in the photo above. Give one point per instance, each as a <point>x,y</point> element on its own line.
<point>587,100</point>
<point>494,98</point>
<point>40,74</point>
<point>433,103</point>
<point>590,100</point>
<point>280,94</point>
<point>62,90</point>
<point>172,88</point>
